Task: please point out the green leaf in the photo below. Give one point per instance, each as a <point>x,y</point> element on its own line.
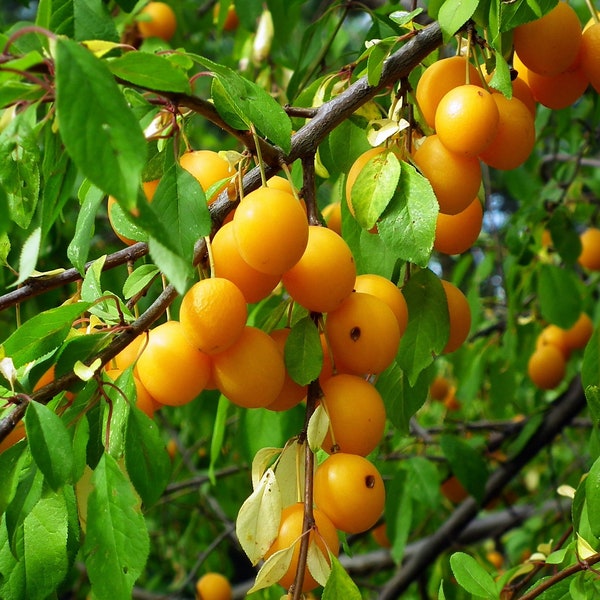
<point>377,56</point>
<point>97,126</point>
<point>179,272</point>
<point>45,556</point>
<point>466,463</point>
<point>407,225</point>
<point>93,21</point>
<point>592,497</point>
<point>590,369</point>
<point>453,14</point>
<point>501,78</point>
<point>50,444</point>
<point>139,279</point>
<point>29,255</point>
<point>218,435</point>
<point>252,105</point>
<point>374,188</point>
<point>150,71</point>
<point>472,576</point>
<point>11,461</point>
<point>116,544</point>
<point>146,458</point>
<point>565,238</point>
<point>518,13</point>
<point>42,333</point>
<point>19,169</point>
<point>560,302</point>
<point>79,247</point>
<point>399,514</point>
<point>303,352</point>
<point>340,584</point>
<point>427,330</point>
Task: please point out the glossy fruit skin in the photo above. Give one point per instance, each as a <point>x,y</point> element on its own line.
<point>213,586</point>
<point>466,120</point>
<point>208,168</point>
<point>438,79</point>
<point>363,334</point>
<point>290,530</point>
<point>251,372</point>
<point>460,317</point>
<point>548,45</point>
<point>590,54</point>
<point>522,91</point>
<point>455,179</point>
<point>349,489</point>
<point>130,354</point>
<point>554,335</point>
<point>325,273</point>
<point>356,412</point>
<point>292,393</point>
<point>546,367</point>
<point>144,400</point>
<point>515,136</point>
<point>384,289</point>
<point>579,334</point>
<point>162,23</point>
<point>228,263</point>
<point>332,213</point>
<point>213,314</point>
<point>271,230</point>
<point>455,234</point>
<point>172,370</point>
<point>590,252</point>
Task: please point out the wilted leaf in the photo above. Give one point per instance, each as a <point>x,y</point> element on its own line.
<point>318,425</point>
<point>273,569</point>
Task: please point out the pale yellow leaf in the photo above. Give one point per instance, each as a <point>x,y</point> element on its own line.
<point>318,425</point>
<point>317,563</point>
<point>584,550</point>
<point>567,491</point>
<point>263,458</point>
<point>381,130</point>
<point>84,372</point>
<point>100,47</point>
<point>8,371</point>
<point>258,519</point>
<point>273,569</point>
<point>290,473</point>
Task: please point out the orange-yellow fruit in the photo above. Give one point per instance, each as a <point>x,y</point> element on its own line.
<point>251,372</point>
<point>579,334</point>
<point>466,120</point>
<point>453,489</point>
<point>439,387</point>
<point>590,55</point>
<point>208,168</point>
<point>522,91</point>
<point>144,400</point>
<point>229,264</point>
<point>172,370</point>
<point>550,44</point>
<point>384,289</point>
<point>271,230</point>
<point>213,586</point>
<point>158,20</point>
<point>455,234</point>
<point>356,413</point>
<point>455,179</point>
<point>292,393</point>
<point>332,213</point>
<point>325,273</point>
<point>130,354</point>
<point>554,335</point>
<point>48,377</point>
<point>515,135</point>
<point>16,435</point>
<point>213,314</point>
<point>546,367</point>
<point>495,558</point>
<point>349,489</point>
<point>451,402</point>
<point>379,534</point>
<point>363,333</point>
<point>231,19</point>
<point>590,249</point>
<point>290,530</point>
<point>438,79</point>
<point>459,314</point>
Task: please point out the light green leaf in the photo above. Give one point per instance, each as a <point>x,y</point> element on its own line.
<point>139,279</point>
<point>592,496</point>
<point>340,584</point>
<point>303,352</point>
<point>11,461</point>
<point>50,444</point>
<point>453,14</point>
<point>472,576</point>
<point>116,544</point>
<point>218,435</point>
<point>101,134</point>
<point>560,302</point>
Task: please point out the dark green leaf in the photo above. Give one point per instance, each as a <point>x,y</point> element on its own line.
<point>146,458</point>
<point>399,514</point>
<point>379,52</point>
<point>45,556</point>
<point>50,444</point>
<point>98,128</point>
<point>513,14</point>
<point>407,226</point>
<point>374,188</point>
<point>590,369</point>
<point>303,352</point>
<point>340,584</point>
<point>592,497</point>
<point>427,330</point>
<point>501,78</point>
<point>150,71</point>
<point>179,272</point>
<point>11,461</point>
<point>565,238</point>
<point>43,333</point>
<point>466,463</point>
<point>93,21</point>
<point>472,576</point>
<point>116,543</point>
<point>560,302</point>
